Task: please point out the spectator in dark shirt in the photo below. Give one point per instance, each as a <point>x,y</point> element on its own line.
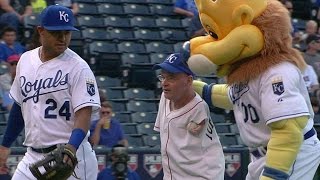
<point>12,12</point>
<point>9,45</point>
<point>107,130</point>
<point>188,8</point>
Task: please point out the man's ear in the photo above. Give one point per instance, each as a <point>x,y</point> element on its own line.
<point>190,80</point>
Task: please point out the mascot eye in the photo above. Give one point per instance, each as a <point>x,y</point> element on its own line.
<point>214,0</point>
<point>213,34</point>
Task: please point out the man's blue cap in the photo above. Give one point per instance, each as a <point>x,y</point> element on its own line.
<point>57,18</point>
<point>174,64</point>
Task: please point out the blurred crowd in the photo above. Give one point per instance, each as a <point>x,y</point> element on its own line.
<point>305,33</point>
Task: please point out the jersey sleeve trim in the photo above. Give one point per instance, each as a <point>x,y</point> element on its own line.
<point>288,116</point>
<point>156,128</point>
<point>85,105</point>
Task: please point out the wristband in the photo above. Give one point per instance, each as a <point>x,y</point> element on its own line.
<point>77,137</point>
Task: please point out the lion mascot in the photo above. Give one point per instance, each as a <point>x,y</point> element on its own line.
<point>249,44</point>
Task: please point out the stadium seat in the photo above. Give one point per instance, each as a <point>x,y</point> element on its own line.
<point>177,46</point>
<point>146,128</point>
<point>18,142</point>
<point>131,47</point>
<point>167,22</point>
<point>147,35</point>
<point>316,118</point>
<point>156,58</point>
<point>3,68</point>
<point>105,81</point>
<point>3,119</point>
<point>90,21</point>
<point>143,22</point>
<point>143,117</point>
<point>134,1</point>
<point>168,2</point>
<point>138,93</point>
<point>135,141</point>
<point>108,8</point>
<point>2,129</point>
<point>159,47</point>
<point>132,58</point>
<point>101,47</point>
<point>162,9</point>
<point>239,140</point>
<point>174,35</point>
<point>117,21</point>
<point>114,93</point>
<point>140,75</point>
<point>186,22</point>
<point>31,21</point>
<point>217,118</point>
<point>88,8</point>
<point>152,140</point>
<point>118,105</point>
<point>228,140</point>
<point>234,128</point>
<point>121,34</point>
<point>91,34</point>
<point>141,106</point>
<point>129,128</point>
<point>122,117</point>
<point>223,128</point>
<point>136,9</point>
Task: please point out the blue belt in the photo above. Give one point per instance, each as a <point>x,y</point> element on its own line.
<point>307,135</point>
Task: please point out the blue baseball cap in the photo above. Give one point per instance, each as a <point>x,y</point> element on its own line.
<point>57,18</point>
<point>174,64</point>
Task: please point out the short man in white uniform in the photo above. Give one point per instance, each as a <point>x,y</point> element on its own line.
<point>190,146</point>
<point>54,92</point>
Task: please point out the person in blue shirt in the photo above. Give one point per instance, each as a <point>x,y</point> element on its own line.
<point>189,9</point>
<point>107,130</point>
<point>118,169</point>
<point>9,46</point>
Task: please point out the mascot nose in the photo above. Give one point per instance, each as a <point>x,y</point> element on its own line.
<point>185,51</point>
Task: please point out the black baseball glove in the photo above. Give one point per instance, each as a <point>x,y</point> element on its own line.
<point>52,166</point>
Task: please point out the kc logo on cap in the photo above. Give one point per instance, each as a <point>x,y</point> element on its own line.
<point>64,16</point>
<point>172,58</point>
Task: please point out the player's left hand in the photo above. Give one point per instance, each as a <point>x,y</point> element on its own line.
<point>66,158</point>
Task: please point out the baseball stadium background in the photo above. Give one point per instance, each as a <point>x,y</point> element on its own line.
<point>121,40</point>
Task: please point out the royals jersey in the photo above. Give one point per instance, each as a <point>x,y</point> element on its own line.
<point>185,156</point>
<point>50,93</point>
<point>279,93</point>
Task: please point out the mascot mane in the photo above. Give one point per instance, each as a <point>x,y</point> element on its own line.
<point>277,47</point>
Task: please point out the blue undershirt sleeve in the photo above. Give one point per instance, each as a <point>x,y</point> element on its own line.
<point>14,126</point>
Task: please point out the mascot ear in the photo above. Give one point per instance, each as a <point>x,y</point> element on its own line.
<point>242,15</point>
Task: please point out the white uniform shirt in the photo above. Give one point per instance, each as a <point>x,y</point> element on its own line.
<point>49,93</point>
<point>279,93</point>
<point>310,77</point>
<point>185,156</point>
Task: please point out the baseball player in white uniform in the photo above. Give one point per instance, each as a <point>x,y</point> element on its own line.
<point>190,146</point>
<point>310,78</point>
<point>54,92</point>
<point>272,112</point>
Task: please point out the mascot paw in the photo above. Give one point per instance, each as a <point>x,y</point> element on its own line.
<point>201,65</point>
